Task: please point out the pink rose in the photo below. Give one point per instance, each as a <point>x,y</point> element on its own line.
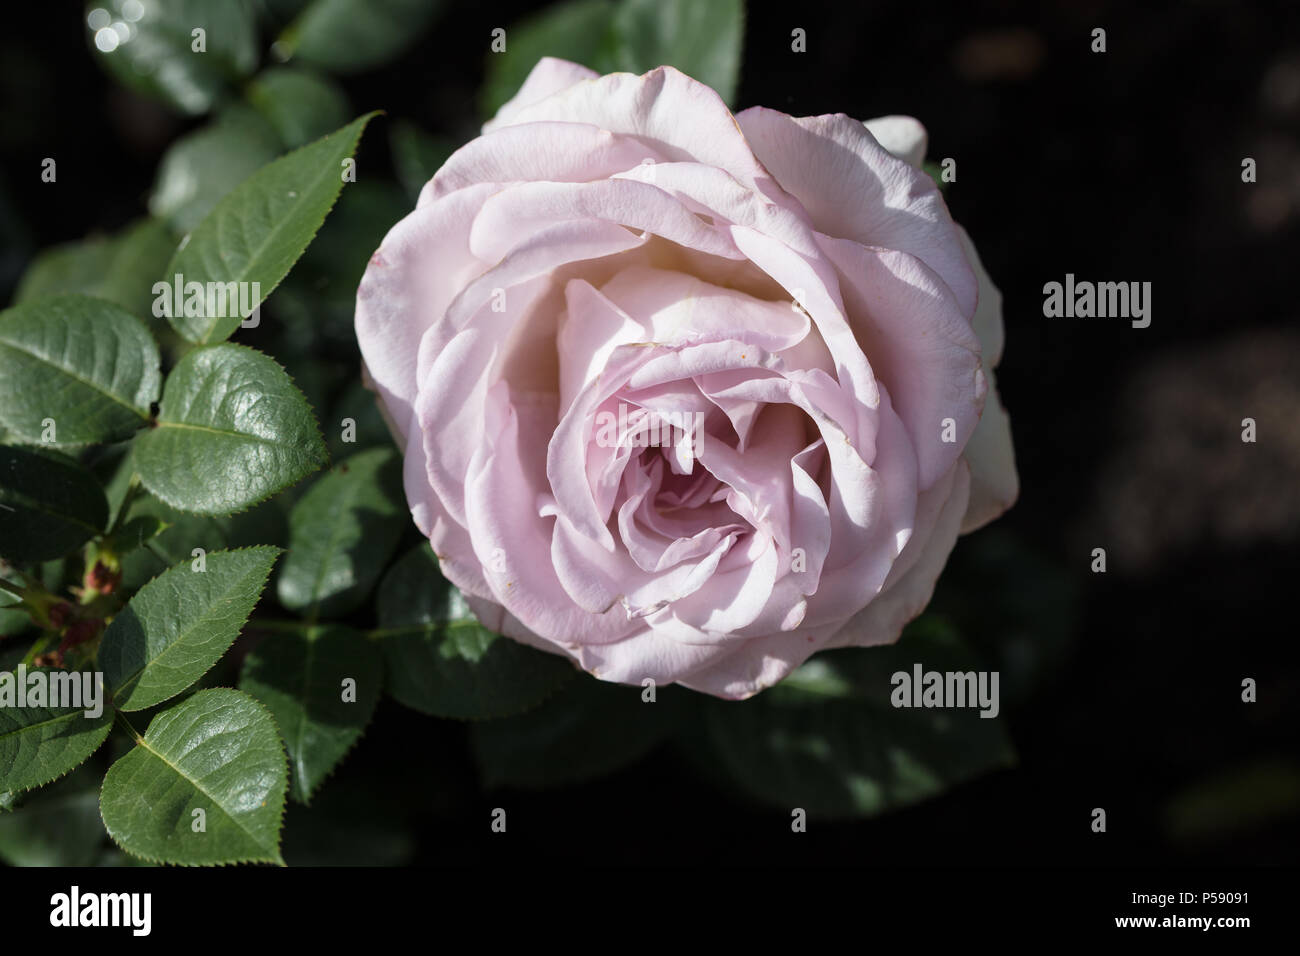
<point>685,395</point>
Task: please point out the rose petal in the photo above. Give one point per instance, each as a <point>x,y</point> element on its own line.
<point>549,76</point>
<point>903,136</point>
<point>853,189</point>
<point>680,117</point>
<point>421,265</point>
<point>920,344</point>
<point>995,485</point>
<point>911,585</point>
<point>556,152</point>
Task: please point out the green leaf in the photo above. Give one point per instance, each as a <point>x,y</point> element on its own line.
<point>121,268</point>
<point>347,36</point>
<point>257,232</point>
<point>179,624</point>
<point>703,40</point>
<point>342,533</point>
<point>303,678</point>
<point>417,155</point>
<point>829,740</point>
<point>441,661</point>
<point>49,505</point>
<point>232,430</point>
<point>217,751</point>
<point>200,168</point>
<point>55,826</point>
<point>591,729</point>
<point>85,363</point>
<point>39,744</point>
<point>302,105</point>
<point>181,533</point>
<point>579,30</point>
<point>150,47</point>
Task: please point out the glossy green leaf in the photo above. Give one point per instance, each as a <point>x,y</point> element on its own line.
<point>322,685</point>
<point>342,533</point>
<point>346,36</point>
<point>178,625</point>
<point>302,105</point>
<point>121,268</point>
<point>703,40</point>
<point>49,505</point>
<point>84,364</point>
<point>441,661</point>
<point>829,740</point>
<point>200,168</point>
<point>152,48</point>
<point>257,232</point>
<point>232,430</point>
<point>42,743</point>
<point>218,752</point>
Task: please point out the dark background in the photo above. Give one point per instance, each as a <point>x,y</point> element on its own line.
<point>1121,166</point>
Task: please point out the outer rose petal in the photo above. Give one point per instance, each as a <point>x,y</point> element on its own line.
<point>994,482</point>
<point>550,76</point>
<point>902,135</point>
<point>920,346</point>
<point>910,585</point>
<point>413,276</point>
<point>535,152</point>
<point>681,117</point>
<point>854,189</point>
<point>990,453</point>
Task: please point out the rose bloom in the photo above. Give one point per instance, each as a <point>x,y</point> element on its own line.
<point>685,395</point>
